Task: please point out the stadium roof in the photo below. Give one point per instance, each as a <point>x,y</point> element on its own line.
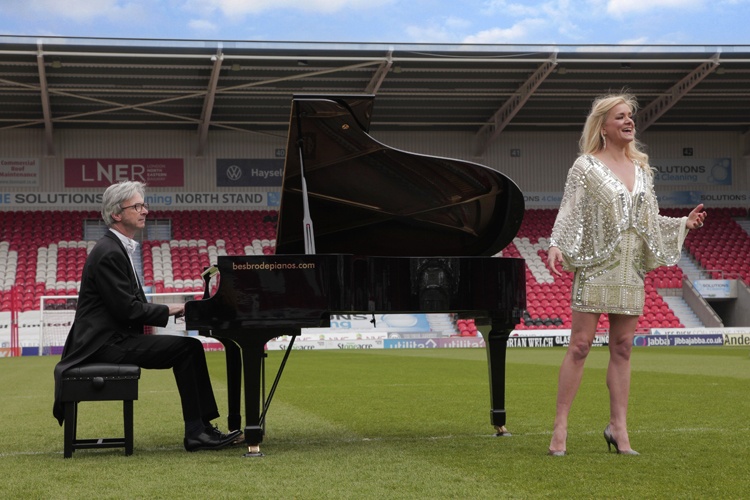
<point>55,83</point>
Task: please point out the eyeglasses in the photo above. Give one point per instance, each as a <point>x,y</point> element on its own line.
<point>138,207</point>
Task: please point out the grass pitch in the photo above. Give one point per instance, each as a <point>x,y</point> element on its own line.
<point>402,424</point>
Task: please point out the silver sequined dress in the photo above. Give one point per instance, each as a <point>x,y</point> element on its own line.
<point>611,237</point>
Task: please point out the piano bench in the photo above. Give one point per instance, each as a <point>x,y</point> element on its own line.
<point>99,382</point>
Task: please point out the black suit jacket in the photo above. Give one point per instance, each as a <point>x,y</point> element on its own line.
<point>110,301</point>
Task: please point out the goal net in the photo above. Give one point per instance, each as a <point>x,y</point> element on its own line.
<point>57,313</point>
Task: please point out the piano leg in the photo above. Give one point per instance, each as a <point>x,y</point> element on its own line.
<point>253,357</point>
<point>234,383</point>
<point>496,342</point>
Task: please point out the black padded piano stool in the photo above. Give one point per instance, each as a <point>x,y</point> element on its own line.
<point>99,382</point>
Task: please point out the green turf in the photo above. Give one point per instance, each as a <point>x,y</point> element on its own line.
<point>402,424</point>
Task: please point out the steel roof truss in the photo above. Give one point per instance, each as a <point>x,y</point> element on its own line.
<point>44,96</point>
<point>649,114</point>
<point>379,76</point>
<point>208,103</point>
<point>502,117</point>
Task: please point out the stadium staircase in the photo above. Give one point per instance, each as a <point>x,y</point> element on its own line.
<point>683,311</point>
<point>690,267</point>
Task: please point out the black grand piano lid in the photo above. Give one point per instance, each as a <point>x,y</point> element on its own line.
<point>367,198</point>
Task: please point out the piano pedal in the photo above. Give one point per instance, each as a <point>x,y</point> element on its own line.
<point>253,451</point>
<point>502,431</point>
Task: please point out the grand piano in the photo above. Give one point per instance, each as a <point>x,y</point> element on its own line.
<point>365,228</point>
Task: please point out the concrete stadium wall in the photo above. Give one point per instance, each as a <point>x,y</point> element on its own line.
<point>545,157</point>
<point>736,312</point>
<point>541,165</point>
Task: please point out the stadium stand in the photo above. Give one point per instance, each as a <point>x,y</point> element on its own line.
<point>723,248</point>
<point>720,251</point>
<point>37,258</point>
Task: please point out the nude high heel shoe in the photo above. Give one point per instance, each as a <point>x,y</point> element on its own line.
<point>611,441</point>
<point>557,453</point>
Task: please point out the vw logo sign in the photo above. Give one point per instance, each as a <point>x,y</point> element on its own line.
<point>234,173</point>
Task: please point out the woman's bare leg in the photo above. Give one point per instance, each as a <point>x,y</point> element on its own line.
<point>621,332</point>
<point>583,330</point>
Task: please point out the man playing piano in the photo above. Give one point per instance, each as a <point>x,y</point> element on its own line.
<point>113,310</point>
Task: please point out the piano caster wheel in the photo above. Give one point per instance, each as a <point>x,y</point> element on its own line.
<point>502,431</point>
<point>253,451</point>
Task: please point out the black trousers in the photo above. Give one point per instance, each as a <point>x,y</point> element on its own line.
<point>184,355</point>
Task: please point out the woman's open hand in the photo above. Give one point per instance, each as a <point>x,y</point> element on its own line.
<point>554,256</point>
<point>696,218</point>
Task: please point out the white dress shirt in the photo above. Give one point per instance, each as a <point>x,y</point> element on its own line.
<point>130,245</point>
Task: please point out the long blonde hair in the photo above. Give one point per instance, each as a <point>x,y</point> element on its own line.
<point>592,140</point>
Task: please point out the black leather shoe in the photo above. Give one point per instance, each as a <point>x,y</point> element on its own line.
<point>207,441</point>
<point>214,431</point>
